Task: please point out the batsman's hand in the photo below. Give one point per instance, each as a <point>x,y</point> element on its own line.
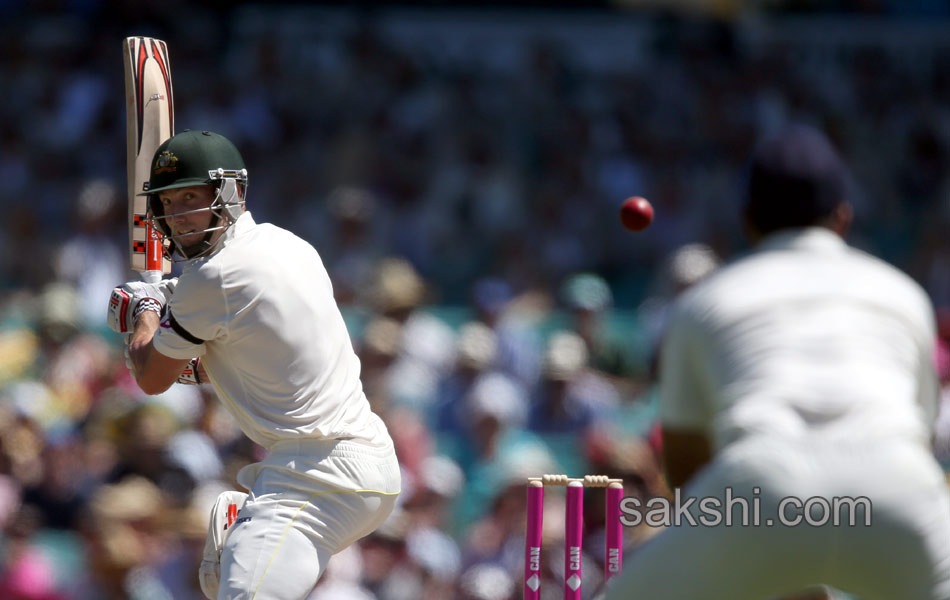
<point>130,299</point>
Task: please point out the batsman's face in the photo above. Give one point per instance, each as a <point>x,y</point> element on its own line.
<point>186,212</point>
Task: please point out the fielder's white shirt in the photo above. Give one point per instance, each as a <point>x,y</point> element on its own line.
<point>804,337</point>
<point>260,312</point>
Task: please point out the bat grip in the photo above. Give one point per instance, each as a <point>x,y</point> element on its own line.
<point>151,276</point>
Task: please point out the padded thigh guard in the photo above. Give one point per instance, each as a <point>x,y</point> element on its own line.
<point>223,515</point>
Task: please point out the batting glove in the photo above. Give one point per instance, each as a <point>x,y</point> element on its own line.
<point>131,299</point>
<point>189,375</point>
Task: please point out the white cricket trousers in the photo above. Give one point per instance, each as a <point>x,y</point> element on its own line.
<point>307,502</point>
<point>903,555</point>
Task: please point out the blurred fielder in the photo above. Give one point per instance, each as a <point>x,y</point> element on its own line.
<point>253,314</point>
<point>803,371</point>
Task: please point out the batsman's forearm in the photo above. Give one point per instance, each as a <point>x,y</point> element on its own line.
<point>154,372</point>
<point>140,344</point>
<point>146,324</point>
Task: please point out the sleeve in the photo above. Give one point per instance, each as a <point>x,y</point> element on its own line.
<point>685,395</point>
<point>196,314</point>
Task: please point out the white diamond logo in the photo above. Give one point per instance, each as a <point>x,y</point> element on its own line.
<point>533,582</point>
<point>573,582</point>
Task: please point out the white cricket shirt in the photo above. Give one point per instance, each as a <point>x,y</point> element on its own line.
<point>806,336</point>
<point>260,312</point>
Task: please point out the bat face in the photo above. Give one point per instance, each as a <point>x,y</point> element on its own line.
<point>150,120</point>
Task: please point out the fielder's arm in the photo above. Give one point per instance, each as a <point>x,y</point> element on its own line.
<point>154,372</point>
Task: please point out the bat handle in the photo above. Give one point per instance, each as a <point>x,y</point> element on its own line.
<point>151,276</point>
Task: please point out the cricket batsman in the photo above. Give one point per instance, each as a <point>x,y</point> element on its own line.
<point>253,314</point>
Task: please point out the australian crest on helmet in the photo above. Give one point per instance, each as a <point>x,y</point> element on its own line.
<point>165,162</point>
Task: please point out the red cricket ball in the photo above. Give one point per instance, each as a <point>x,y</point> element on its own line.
<point>636,213</point>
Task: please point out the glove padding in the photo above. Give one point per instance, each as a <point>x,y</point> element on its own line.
<point>132,298</point>
<point>189,375</point>
<point>223,515</point>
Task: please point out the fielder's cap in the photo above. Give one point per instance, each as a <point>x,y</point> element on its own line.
<point>188,158</point>
<point>795,179</point>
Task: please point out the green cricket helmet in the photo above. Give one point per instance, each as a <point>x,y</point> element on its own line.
<point>197,158</point>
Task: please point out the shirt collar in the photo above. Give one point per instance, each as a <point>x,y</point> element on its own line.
<point>806,238</point>
<point>243,223</point>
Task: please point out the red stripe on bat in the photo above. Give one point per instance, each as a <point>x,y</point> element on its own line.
<point>162,59</point>
<point>153,256</point>
<point>140,89</point>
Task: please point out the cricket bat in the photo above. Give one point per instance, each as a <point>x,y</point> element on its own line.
<point>150,120</point>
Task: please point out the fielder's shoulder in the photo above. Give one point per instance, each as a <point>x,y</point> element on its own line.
<point>886,270</point>
<point>900,288</point>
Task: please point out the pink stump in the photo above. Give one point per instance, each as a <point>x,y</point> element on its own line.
<point>613,560</point>
<point>532,541</point>
<point>573,540</point>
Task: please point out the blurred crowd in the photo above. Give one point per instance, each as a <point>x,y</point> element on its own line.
<point>461,180</point>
